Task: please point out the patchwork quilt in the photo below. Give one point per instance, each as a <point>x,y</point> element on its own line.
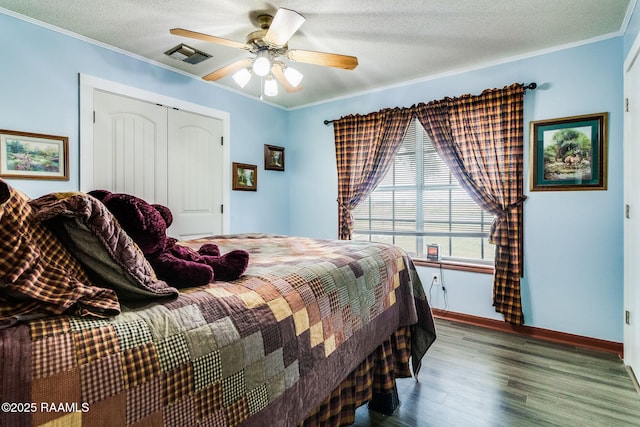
<point>265,349</point>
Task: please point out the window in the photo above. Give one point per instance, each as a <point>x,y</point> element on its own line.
<point>419,201</point>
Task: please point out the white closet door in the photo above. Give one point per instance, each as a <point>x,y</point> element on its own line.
<point>164,156</point>
<point>632,223</point>
<point>195,174</point>
<point>130,147</point>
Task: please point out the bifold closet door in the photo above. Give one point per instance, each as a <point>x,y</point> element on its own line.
<point>130,147</point>
<point>195,174</point>
<point>162,155</point>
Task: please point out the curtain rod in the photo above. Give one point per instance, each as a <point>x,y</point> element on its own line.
<point>530,86</point>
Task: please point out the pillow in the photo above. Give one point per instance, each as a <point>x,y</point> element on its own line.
<point>110,257</point>
<point>37,273</point>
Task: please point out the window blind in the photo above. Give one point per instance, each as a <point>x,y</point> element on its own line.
<point>419,201</point>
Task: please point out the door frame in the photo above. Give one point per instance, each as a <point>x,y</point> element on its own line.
<point>88,84</point>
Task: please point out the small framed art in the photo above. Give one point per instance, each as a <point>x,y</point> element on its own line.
<point>245,177</point>
<point>569,153</point>
<point>273,157</point>
<point>33,156</point>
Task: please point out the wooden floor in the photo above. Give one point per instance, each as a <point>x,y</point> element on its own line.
<point>473,377</point>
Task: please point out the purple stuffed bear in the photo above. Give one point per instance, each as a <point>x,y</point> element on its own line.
<point>178,265</point>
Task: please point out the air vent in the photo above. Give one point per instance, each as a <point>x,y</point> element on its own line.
<point>185,53</point>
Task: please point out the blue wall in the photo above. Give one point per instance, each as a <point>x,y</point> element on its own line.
<point>573,240</point>
<point>39,87</point>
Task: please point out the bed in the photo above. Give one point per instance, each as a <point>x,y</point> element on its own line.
<point>312,330</point>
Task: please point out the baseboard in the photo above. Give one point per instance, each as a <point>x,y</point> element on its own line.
<point>533,332</point>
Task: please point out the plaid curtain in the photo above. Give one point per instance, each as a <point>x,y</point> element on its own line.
<point>481,140</point>
<point>365,148</point>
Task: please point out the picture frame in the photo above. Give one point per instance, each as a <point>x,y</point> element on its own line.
<point>26,155</point>
<point>569,153</point>
<point>273,157</point>
<point>244,177</point>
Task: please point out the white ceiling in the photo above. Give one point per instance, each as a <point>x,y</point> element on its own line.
<point>395,40</point>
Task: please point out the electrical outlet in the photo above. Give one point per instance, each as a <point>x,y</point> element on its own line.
<point>435,279</point>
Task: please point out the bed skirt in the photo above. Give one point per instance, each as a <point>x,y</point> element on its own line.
<point>372,381</point>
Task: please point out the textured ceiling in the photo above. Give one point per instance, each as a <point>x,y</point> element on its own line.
<point>395,40</point>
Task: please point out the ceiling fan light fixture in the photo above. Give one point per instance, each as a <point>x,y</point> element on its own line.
<point>242,77</point>
<point>266,45</point>
<point>261,65</point>
<point>270,86</point>
<point>293,76</point>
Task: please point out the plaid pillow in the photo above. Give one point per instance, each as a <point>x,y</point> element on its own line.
<point>37,273</point>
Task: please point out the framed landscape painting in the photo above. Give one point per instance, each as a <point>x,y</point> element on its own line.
<point>33,156</point>
<point>569,153</point>
<point>245,177</point>
<point>273,157</point>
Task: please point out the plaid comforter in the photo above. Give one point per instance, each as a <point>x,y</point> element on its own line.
<point>265,349</point>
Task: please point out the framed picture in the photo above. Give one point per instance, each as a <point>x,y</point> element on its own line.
<point>33,156</point>
<point>569,153</point>
<point>245,177</point>
<point>273,157</point>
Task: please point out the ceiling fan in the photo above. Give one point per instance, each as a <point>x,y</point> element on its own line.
<point>268,46</point>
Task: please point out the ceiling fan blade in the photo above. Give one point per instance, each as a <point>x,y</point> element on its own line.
<point>322,58</point>
<point>278,73</point>
<point>208,38</point>
<point>228,69</point>
<point>284,25</point>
